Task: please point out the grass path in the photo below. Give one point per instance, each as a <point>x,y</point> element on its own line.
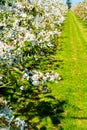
<point>73,87</point>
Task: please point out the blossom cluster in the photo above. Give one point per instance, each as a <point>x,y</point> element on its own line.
<point>36,23</point>
<point>28,30</point>
<point>8,117</point>
<point>81,10</point>
<point>29,34</point>
<point>38,78</point>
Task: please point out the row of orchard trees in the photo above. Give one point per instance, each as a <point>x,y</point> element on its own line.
<point>81,10</point>
<point>29,32</point>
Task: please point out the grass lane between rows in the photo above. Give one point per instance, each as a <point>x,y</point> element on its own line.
<point>73,87</point>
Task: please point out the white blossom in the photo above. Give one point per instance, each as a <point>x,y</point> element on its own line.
<point>22,88</point>
<point>20,123</point>
<point>36,83</point>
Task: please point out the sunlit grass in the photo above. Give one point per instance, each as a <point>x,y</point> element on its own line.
<point>73,87</point>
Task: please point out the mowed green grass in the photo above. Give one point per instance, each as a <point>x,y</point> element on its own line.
<point>73,87</point>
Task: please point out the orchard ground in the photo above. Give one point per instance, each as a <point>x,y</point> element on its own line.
<point>73,87</point>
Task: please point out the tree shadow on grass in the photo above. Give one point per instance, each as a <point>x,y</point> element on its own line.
<point>44,109</point>
<point>35,107</point>
<point>81,118</point>
<point>53,110</point>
